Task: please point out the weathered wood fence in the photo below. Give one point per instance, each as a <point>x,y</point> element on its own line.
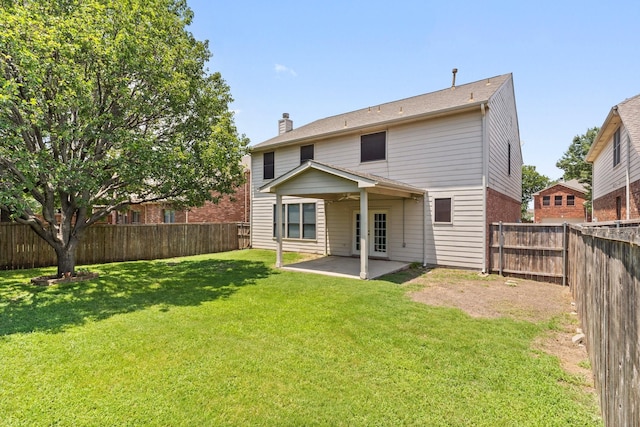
<point>20,247</point>
<point>601,263</point>
<point>605,266</point>
<point>532,251</point>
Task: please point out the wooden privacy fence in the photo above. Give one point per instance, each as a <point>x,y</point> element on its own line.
<point>20,247</point>
<point>605,265</point>
<point>534,251</point>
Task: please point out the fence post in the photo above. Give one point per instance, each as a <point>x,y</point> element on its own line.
<point>500,244</point>
<point>564,253</point>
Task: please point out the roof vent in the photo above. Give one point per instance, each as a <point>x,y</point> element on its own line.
<point>285,124</point>
<point>453,82</point>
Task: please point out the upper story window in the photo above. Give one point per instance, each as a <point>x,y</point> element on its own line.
<point>442,210</point>
<point>306,153</point>
<point>269,163</point>
<point>169,216</point>
<point>509,159</point>
<point>571,200</point>
<point>616,147</point>
<point>557,201</point>
<point>373,147</point>
<point>546,200</point>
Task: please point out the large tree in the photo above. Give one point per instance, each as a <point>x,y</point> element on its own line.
<point>574,164</point>
<point>106,104</point>
<point>532,182</point>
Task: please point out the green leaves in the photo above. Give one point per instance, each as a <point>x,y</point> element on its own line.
<point>109,103</point>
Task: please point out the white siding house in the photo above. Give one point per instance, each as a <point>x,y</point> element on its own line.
<point>615,155</point>
<point>431,172</point>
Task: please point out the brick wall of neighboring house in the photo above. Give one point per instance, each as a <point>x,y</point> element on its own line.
<point>230,208</point>
<point>605,207</point>
<point>562,212</point>
<point>500,208</point>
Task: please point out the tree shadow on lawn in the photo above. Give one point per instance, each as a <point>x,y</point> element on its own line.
<point>122,288</point>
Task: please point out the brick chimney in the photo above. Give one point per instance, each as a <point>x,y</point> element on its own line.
<point>285,124</point>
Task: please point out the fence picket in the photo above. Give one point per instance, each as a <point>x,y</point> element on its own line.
<point>21,248</point>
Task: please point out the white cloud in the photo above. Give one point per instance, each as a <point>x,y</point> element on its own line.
<point>279,68</point>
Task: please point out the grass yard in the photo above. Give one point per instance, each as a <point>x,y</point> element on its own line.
<point>226,340</point>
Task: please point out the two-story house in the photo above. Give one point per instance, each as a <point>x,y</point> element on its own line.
<point>563,201</point>
<point>415,180</point>
<point>615,155</point>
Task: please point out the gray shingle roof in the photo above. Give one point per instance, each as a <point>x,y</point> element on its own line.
<point>572,184</point>
<point>434,103</point>
<point>629,111</point>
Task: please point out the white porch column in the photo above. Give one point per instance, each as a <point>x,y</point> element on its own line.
<point>364,234</point>
<point>278,230</point>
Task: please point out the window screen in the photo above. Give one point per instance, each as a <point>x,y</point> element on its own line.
<point>306,153</point>
<point>442,210</point>
<point>268,160</point>
<point>373,147</point>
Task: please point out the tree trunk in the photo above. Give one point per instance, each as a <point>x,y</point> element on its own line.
<point>66,260</point>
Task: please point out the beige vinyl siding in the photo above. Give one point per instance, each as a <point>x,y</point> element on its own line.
<point>314,182</point>
<point>435,153</point>
<point>262,225</point>
<point>606,177</point>
<point>502,123</point>
<point>459,244</point>
<point>341,232</point>
<point>445,152</point>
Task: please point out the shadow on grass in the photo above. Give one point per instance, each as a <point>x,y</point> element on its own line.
<point>403,276</point>
<point>122,288</point>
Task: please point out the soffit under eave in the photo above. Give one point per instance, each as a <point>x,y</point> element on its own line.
<point>611,123</point>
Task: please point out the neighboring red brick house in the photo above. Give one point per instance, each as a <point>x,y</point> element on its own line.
<point>232,208</point>
<point>561,202</point>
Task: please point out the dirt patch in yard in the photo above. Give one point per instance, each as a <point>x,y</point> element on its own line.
<point>493,296</point>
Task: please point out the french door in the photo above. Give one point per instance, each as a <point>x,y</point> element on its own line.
<point>378,238</point>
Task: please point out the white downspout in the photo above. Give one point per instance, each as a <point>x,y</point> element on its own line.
<point>485,167</point>
<point>424,228</point>
<point>278,230</point>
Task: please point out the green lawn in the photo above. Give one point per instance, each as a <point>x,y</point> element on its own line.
<point>226,340</point>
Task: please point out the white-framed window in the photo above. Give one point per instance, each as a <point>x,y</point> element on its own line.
<point>443,210</point>
<point>169,216</point>
<point>298,221</point>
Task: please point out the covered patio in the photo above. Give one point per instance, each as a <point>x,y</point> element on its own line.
<point>317,180</point>
<point>339,266</point>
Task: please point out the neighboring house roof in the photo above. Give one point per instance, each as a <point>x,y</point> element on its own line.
<point>627,112</point>
<point>363,180</point>
<point>572,184</point>
<point>442,102</point>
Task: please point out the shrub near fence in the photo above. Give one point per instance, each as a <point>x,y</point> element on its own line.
<point>20,247</point>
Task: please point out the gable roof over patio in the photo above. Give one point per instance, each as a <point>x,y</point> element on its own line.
<point>323,181</point>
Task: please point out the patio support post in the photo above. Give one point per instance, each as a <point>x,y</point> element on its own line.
<point>278,230</point>
<point>364,234</point>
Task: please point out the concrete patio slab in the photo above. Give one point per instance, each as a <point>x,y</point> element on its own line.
<point>346,267</point>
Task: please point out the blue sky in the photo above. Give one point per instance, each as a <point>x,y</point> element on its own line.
<point>571,60</point>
